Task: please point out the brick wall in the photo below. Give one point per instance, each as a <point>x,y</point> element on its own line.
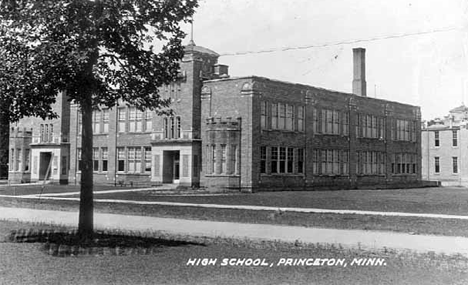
<point>242,97</point>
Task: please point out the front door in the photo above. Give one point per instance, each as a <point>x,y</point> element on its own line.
<point>171,166</point>
<point>176,171</point>
<point>45,160</point>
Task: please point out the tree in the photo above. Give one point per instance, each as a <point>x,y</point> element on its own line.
<point>99,52</point>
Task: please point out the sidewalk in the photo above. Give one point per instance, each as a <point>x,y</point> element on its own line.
<point>347,238</point>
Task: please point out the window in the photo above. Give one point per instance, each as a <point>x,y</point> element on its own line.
<point>135,118</point>
<point>80,123</point>
<point>373,127</point>
<point>282,117</point>
<point>290,160</point>
<point>263,116</point>
<point>282,160</point>
<point>324,169</point>
<point>330,122</point>
<point>382,162</point>
<point>234,158</point>
<point>104,158</point>
<point>345,162</point>
<point>46,133</point>
<point>300,118</point>
<point>172,129</point>
<point>42,133</point>
<point>120,159</point>
<point>139,121</point>
<point>263,159</point>
<point>316,161</point>
<point>404,130</point>
<point>18,160</point>
<point>26,159</point>
<point>403,163</point>
<point>147,159</point>
<point>131,159</point>
<point>148,121</point>
<point>413,131</point>
<point>300,160</point>
<point>166,127</point>
<point>369,126</point>
<point>454,138</point>
<point>51,133</point>
<point>122,118</point>
<point>398,162</point>
<point>345,120</point>
<point>177,127</point>
<point>134,159</point>
<point>335,161</point>
<point>96,122</point>
<point>138,159</point>
<point>374,163</point>
<point>105,121</point>
<point>455,164</point>
<point>436,138</point>
<point>213,158</point>
<point>436,164</point>
<point>289,117</point>
<point>274,116</point>
<point>95,159</point>
<point>274,160</point>
<point>381,128</point>
<point>223,158</point>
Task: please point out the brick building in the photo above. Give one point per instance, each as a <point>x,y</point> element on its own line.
<point>443,157</point>
<point>249,133</point>
<point>39,149</point>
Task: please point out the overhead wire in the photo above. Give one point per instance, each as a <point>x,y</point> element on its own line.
<point>345,42</point>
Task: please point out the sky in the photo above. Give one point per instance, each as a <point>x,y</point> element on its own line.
<point>416,50</point>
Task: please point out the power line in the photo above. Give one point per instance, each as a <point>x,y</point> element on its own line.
<point>343,42</point>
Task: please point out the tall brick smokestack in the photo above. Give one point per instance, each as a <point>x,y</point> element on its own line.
<point>359,71</point>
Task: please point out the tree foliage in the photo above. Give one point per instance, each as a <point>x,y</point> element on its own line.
<point>99,52</point>
<point>104,48</point>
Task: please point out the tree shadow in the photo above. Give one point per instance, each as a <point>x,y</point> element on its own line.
<point>66,243</point>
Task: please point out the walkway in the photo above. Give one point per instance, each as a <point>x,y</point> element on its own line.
<point>347,238</point>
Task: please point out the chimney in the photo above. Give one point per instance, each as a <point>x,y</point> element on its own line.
<point>359,70</point>
<point>221,70</point>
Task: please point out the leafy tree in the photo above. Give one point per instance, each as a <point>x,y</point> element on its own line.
<point>99,52</point>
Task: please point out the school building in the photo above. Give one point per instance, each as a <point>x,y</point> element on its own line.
<point>444,158</point>
<point>239,133</point>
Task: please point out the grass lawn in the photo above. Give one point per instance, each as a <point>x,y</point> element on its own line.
<point>367,222</point>
<point>443,200</point>
<point>446,200</point>
<point>24,263</point>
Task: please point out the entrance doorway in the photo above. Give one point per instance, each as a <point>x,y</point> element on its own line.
<point>44,163</point>
<point>171,166</point>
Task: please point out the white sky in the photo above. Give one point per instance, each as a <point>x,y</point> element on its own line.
<point>429,70</point>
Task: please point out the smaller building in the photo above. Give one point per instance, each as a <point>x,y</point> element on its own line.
<point>444,158</point>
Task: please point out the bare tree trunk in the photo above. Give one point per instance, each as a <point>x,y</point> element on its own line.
<point>85,223</point>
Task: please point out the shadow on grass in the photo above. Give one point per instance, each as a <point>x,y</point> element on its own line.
<point>69,243</point>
